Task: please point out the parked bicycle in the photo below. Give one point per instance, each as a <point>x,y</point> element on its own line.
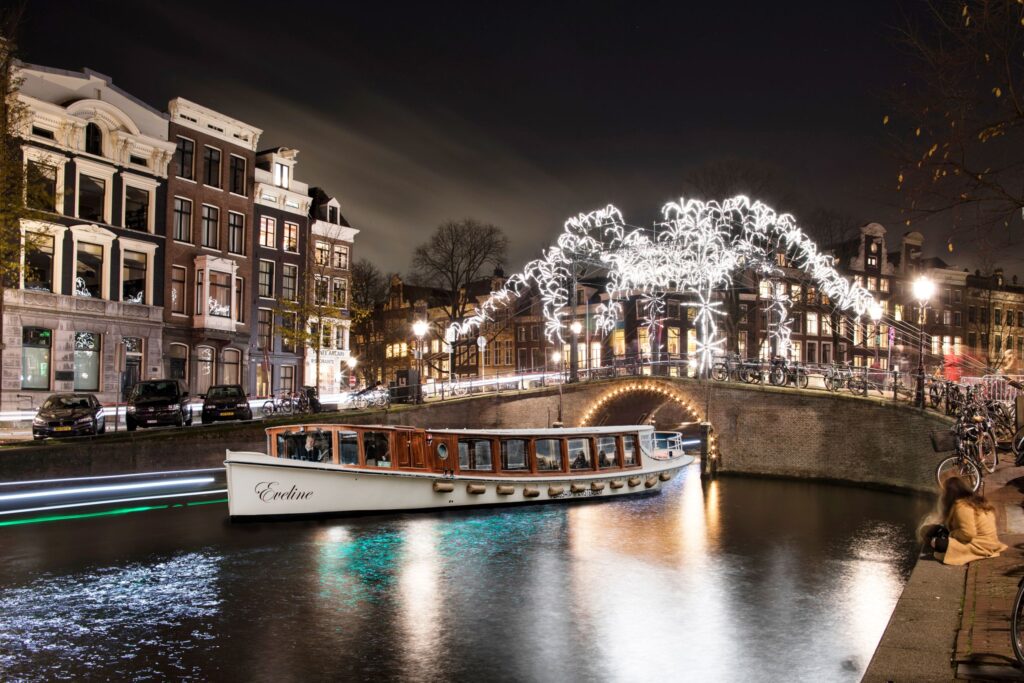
<point>281,403</point>
<point>728,368</point>
<point>837,376</point>
<point>974,454</point>
<point>783,372</point>
<point>375,398</point>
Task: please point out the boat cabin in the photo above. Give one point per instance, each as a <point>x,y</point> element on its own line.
<point>541,452</point>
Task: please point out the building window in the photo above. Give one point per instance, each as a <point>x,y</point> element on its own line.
<point>92,193</point>
<point>236,233</point>
<point>184,155</point>
<point>266,281</point>
<point>87,361</point>
<point>340,294</point>
<point>289,282</point>
<point>219,303</point>
<point>200,306</point>
<point>998,316</point>
<point>39,262</point>
<point>323,253</point>
<point>288,378</point>
<point>211,226</point>
<point>211,166</point>
<point>93,139</point>
<point>89,270</point>
<point>972,340</point>
<point>41,186</point>
<point>136,208</point>
<point>288,339</point>
<point>321,291</point>
<point>35,358</point>
<point>133,277</point>
<point>240,299</point>
<point>340,257</point>
<point>883,284</point>
<point>204,369</point>
<point>947,317</point>
<point>958,318</point>
<point>231,367</point>
<point>972,314</point>
<point>178,275</point>
<point>178,362</point>
<point>291,237</point>
<point>264,328</point>
<point>958,296</point>
<point>237,173</point>
<point>268,232</point>
<point>281,175</point>
<point>812,323</point>
<point>182,219</point>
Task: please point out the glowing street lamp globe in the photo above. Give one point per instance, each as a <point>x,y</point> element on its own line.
<point>924,289</point>
<point>556,357</point>
<point>875,311</point>
<point>351,362</point>
<point>576,328</point>
<point>419,328</point>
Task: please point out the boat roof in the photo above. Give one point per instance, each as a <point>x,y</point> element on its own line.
<point>535,431</point>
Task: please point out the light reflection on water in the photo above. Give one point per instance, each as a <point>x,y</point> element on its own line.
<point>738,579</point>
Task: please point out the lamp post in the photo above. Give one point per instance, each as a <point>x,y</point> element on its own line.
<point>481,344</point>
<point>351,362</point>
<point>875,311</point>
<point>924,289</point>
<point>419,328</point>
<point>574,354</point>
<point>449,340</point>
<point>556,358</point>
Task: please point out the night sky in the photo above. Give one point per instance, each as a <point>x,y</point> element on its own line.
<point>513,114</point>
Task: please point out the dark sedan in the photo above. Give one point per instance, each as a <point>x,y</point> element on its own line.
<point>225,402</point>
<point>69,415</point>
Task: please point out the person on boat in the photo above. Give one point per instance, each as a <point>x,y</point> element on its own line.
<point>969,531</point>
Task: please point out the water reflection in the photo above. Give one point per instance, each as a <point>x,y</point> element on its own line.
<point>737,579</point>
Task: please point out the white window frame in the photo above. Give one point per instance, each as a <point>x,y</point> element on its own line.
<point>220,170</point>
<point>58,161</point>
<point>273,277</point>
<point>175,153</point>
<point>99,171</point>
<point>91,234</point>
<point>140,183</point>
<point>244,161</point>
<point>147,248</point>
<point>259,235</point>
<point>57,232</point>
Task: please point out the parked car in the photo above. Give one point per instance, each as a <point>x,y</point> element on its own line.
<point>69,415</point>
<point>158,402</point>
<point>225,402</point>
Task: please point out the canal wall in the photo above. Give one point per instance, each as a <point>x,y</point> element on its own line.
<point>761,431</point>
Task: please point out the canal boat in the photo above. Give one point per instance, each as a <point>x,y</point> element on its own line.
<point>322,469</point>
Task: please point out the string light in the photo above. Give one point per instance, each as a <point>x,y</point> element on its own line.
<point>695,250</point>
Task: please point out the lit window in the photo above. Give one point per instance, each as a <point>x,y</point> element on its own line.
<point>87,361</point>
<point>268,232</point>
<point>133,277</point>
<point>281,173</point>
<point>266,279</point>
<point>136,208</point>
<point>35,358</point>
<point>291,237</point>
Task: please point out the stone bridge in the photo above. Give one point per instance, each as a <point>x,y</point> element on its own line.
<point>757,430</point>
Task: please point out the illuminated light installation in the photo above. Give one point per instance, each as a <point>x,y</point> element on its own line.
<point>694,250</point>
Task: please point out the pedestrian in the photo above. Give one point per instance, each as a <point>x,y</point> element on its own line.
<point>969,530</point>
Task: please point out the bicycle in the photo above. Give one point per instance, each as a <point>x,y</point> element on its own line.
<point>783,373</point>
<point>726,369</point>
<point>1017,624</point>
<point>751,371</point>
<point>836,377</point>
<point>282,404</point>
<point>966,461</point>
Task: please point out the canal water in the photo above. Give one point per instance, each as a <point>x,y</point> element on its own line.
<point>741,579</point>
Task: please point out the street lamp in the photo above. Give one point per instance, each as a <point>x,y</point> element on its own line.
<point>574,354</point>
<point>875,311</point>
<point>924,289</point>
<point>351,362</point>
<point>419,328</point>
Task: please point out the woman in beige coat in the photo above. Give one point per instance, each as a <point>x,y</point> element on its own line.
<point>971,521</point>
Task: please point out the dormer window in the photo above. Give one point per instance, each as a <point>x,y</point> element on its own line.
<point>332,214</point>
<point>281,175</point>
<point>93,139</point>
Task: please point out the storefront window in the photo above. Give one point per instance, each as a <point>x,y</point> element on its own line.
<point>35,358</point>
<point>87,361</point>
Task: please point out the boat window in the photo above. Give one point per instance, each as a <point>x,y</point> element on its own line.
<point>348,448</point>
<point>579,454</point>
<point>549,455</point>
<point>513,455</point>
<point>629,450</point>
<point>376,449</point>
<point>309,446</point>
<point>606,452</point>
<point>647,443</point>
<point>475,454</point>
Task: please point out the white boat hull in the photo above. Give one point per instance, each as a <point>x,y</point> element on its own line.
<point>262,486</point>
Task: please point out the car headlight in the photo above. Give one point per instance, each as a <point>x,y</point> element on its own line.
<point>130,409</point>
<point>38,422</point>
<point>83,420</point>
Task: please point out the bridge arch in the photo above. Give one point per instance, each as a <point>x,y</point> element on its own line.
<point>647,398</point>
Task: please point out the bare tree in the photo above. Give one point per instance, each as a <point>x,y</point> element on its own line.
<point>726,178</point>
<point>456,255</point>
<point>830,228</point>
<point>957,125</point>
<point>369,288</point>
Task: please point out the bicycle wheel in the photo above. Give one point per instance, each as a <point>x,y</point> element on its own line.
<point>856,385</point>
<point>1017,444</point>
<point>1017,625</point>
<point>986,452</point>
<point>802,380</point>
<point>934,395</point>
<point>287,406</point>
<point>958,466</point>
<point>268,408</point>
<point>777,376</point>
<point>361,403</point>
<point>719,372</point>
